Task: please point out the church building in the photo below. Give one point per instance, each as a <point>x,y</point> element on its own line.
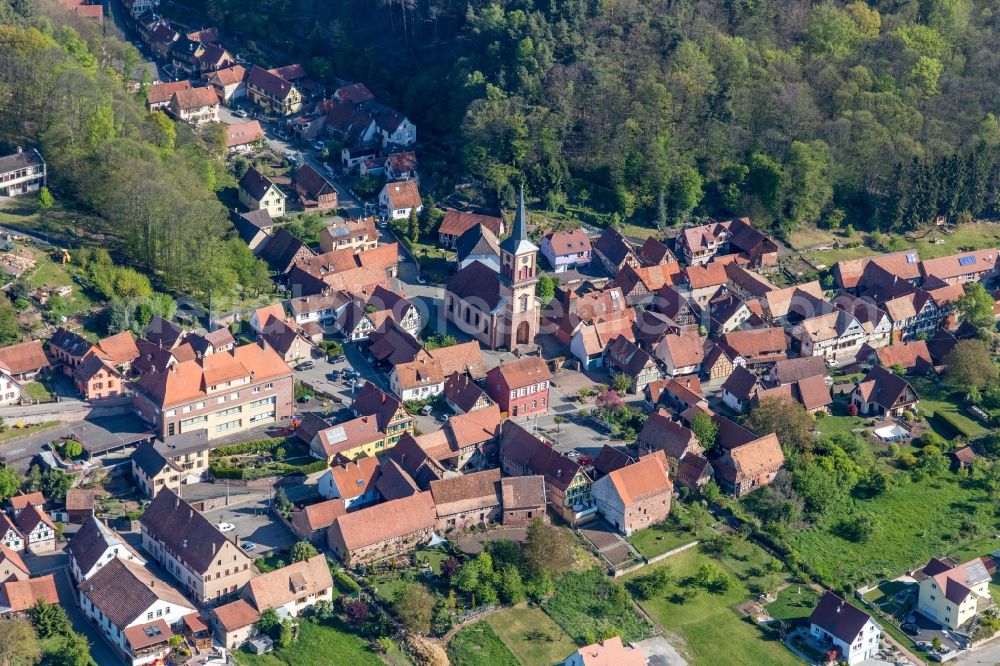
<point>500,310</point>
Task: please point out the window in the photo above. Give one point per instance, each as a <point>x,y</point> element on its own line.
<point>227,412</point>
<point>262,417</point>
<point>268,386</point>
<point>229,425</point>
<point>169,412</point>
<point>193,421</point>
<point>255,389</point>
<point>149,615</point>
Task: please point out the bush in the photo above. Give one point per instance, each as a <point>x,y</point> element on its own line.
<point>345,584</point>
<point>956,425</point>
<point>256,446</point>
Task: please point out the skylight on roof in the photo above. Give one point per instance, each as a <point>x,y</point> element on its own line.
<point>152,631</point>
<point>967,260</point>
<point>337,435</point>
<point>912,258</point>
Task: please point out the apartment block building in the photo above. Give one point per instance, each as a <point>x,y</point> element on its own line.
<point>223,393</point>
<point>205,562</point>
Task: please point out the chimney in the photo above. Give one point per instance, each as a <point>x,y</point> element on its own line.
<point>213,548</point>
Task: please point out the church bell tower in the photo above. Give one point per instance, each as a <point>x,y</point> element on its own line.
<point>518,272</point>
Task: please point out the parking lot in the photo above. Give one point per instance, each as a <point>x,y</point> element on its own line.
<point>253,523</point>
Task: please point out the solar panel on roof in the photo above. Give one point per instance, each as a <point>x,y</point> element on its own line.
<point>911,258</point>
<point>338,231</point>
<point>966,261</point>
<point>976,572</point>
<point>337,435</point>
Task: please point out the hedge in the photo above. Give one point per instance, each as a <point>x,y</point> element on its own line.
<point>954,424</point>
<point>345,583</point>
<point>256,446</point>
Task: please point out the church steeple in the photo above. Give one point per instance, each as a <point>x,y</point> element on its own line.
<point>517,243</point>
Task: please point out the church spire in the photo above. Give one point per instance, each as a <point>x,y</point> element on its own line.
<point>520,218</point>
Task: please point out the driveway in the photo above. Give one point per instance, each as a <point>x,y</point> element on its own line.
<point>661,653</point>
<point>255,524</point>
<point>99,648</point>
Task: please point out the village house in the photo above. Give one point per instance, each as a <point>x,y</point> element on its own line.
<point>693,472</point>
<point>158,95</point>
<point>851,634</point>
<point>310,522</point>
<point>315,192</point>
<point>358,235</point>
<point>245,137</point>
<point>882,393</point>
<point>813,393</point>
<point>464,395</point>
<point>207,564</point>
<point>353,483</point>
<point>383,530</point>
<point>524,500</point>
<point>740,386</point>
<point>701,244</point>
<point>10,388</point>
<point>501,311</point>
<point>291,589</point>
<point>292,344</point>
<point>24,361</point>
<point>401,166</point>
<point>574,307</point>
<point>18,597</point>
<point>94,546</point>
<point>321,308</point>
<point>465,501</point>
<point>640,284</point>
<point>390,414</point>
<point>137,8</point>
<point>456,222</point>
<point>273,93</point>
<point>399,198</point>
<point>592,337</point>
<point>609,652</point>
<point>350,439</point>
<point>520,387</point>
<point>566,483</point>
<point>836,336</point>
<point>962,268</point>
<point>677,307</point>
<point>681,354</point>
<point>758,348</point>
<point>196,106</point>
<point>229,83</point>
<point>615,251</point>
<point>247,387</point>
<point>566,249</point>
<point>38,529</point>
<point>425,376</point>
<point>394,128</point>
<point>623,357</point>
<point>661,433</point>
<point>12,566</point>
<point>67,349</point>
<point>10,537</point>
<point>913,357</point>
<point>635,496</point>
<point>95,378</point>
<point>466,441</point>
<point>258,192</point>
<point>678,394</point>
<point>875,321</point>
<point>157,465</point>
<point>136,611</point>
<point>730,313</point>
<point>951,594</point>
<point>22,172</point>
<point>747,467</point>
<point>235,623</point>
<point>792,370</point>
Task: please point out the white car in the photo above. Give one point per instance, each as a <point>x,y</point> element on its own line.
<point>225,527</point>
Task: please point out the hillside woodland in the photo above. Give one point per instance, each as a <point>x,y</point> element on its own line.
<point>151,183</point>
<point>876,114</point>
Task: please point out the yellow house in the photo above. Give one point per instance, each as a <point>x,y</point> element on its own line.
<point>352,439</point>
<point>952,594</point>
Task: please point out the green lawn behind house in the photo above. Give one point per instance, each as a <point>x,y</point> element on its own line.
<point>935,399</point>
<point>533,637</point>
<point>795,602</point>
<point>36,391</point>
<point>479,645</point>
<point>905,538</point>
<point>656,540</point>
<point>714,632</point>
<point>589,604</point>
<point>315,646</point>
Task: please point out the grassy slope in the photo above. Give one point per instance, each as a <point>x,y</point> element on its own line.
<point>715,633</point>
<point>479,645</point>
<point>318,645</point>
<point>532,636</point>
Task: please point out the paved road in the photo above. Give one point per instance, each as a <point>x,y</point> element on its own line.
<point>99,648</point>
<point>988,655</point>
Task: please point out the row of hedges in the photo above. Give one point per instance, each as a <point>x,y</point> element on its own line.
<point>256,446</point>
<point>954,424</point>
<point>251,473</point>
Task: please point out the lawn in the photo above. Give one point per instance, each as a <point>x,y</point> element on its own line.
<point>49,274</point>
<point>479,645</point>
<point>935,399</point>
<point>432,557</point>
<point>36,391</point>
<point>13,432</point>
<point>795,602</point>
<point>835,425</point>
<point>654,541</point>
<point>315,646</point>
<point>533,637</point>
<point>905,538</point>
<point>589,604</point>
<point>884,596</point>
<point>58,223</point>
<point>715,633</point>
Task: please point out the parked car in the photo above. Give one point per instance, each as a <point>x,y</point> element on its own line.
<point>333,375</point>
<point>348,373</point>
<point>225,527</point>
<point>240,113</point>
<point>319,146</point>
<point>426,411</point>
<point>910,628</point>
<point>339,359</point>
<point>421,280</point>
<point>305,365</point>
<point>248,546</point>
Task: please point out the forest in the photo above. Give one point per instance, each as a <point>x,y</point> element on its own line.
<point>68,89</point>
<point>877,114</point>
